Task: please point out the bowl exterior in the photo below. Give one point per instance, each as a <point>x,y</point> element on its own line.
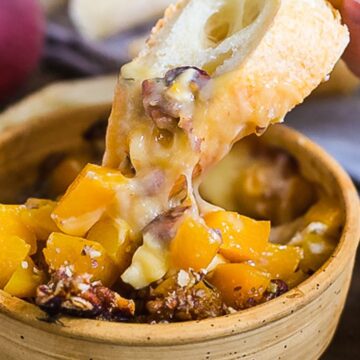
<point>304,334</point>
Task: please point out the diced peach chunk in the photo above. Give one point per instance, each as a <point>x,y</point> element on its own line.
<point>296,278</point>
<point>317,249</point>
<point>86,199</point>
<point>84,255</point>
<point>327,212</point>
<point>114,235</point>
<point>280,261</point>
<point>37,216</point>
<point>240,283</point>
<point>320,235</point>
<point>11,224</point>
<point>194,246</point>
<point>243,238</point>
<point>25,280</point>
<point>65,173</point>
<point>166,286</point>
<point>13,251</point>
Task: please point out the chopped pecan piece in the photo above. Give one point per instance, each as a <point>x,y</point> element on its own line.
<point>163,227</point>
<point>169,100</point>
<point>276,289</point>
<point>184,297</point>
<point>75,295</point>
<point>200,77</point>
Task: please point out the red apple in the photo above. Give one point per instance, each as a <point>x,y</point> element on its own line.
<point>351,15</point>
<point>22,27</point>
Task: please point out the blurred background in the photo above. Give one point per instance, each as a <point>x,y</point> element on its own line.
<point>46,41</point>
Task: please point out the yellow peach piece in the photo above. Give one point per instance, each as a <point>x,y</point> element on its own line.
<point>280,261</point>
<point>150,263</point>
<point>86,199</point>
<point>13,251</point>
<point>238,283</point>
<point>114,235</point>
<point>25,280</point>
<point>243,238</point>
<point>37,216</point>
<point>11,224</point>
<point>194,246</point>
<point>317,249</point>
<point>325,212</point>
<point>86,257</point>
<point>296,278</point>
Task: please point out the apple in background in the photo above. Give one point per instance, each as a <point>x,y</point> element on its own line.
<point>22,27</point>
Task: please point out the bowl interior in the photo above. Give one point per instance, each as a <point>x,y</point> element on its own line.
<point>23,148</point>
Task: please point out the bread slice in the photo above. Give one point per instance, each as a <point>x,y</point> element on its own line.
<point>101,19</point>
<point>254,61</point>
<point>222,35</point>
<point>264,57</point>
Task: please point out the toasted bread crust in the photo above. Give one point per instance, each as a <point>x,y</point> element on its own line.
<point>289,51</point>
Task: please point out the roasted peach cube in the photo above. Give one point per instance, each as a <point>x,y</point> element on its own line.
<point>25,280</point>
<point>317,249</point>
<point>84,255</point>
<point>115,236</point>
<point>37,216</point>
<point>325,212</point>
<point>240,284</point>
<point>13,251</point>
<point>296,278</point>
<point>86,199</point>
<point>194,246</point>
<point>243,238</point>
<point>280,261</point>
<point>319,237</point>
<point>11,224</point>
<point>166,286</point>
<point>65,173</point>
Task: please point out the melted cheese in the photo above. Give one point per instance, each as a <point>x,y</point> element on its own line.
<point>163,167</point>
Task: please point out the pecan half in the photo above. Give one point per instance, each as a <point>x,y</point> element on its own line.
<point>276,289</point>
<point>164,226</point>
<point>169,101</point>
<point>75,295</point>
<point>186,296</point>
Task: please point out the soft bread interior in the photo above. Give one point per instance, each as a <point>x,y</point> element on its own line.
<point>213,35</point>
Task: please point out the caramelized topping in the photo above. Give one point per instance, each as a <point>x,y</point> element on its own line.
<point>76,295</point>
<point>169,101</point>
<point>184,297</point>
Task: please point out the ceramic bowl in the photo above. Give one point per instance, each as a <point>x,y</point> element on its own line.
<point>297,325</point>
